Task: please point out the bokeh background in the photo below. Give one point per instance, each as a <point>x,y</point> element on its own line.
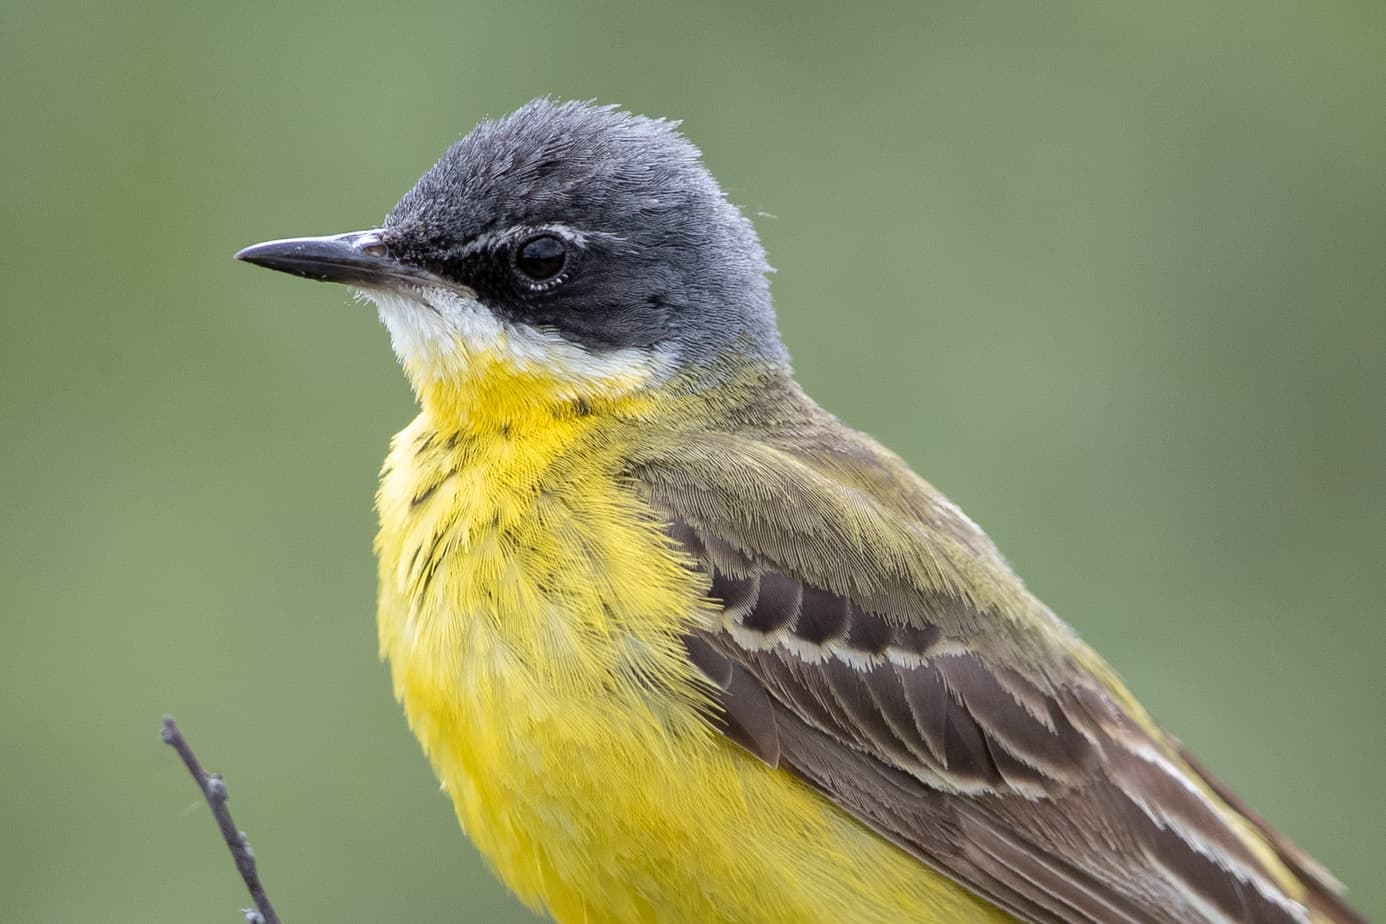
<point>1113,276</point>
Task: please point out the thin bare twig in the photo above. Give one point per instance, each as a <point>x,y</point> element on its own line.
<point>215,790</point>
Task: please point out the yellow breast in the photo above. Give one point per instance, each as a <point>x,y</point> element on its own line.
<point>531,610</point>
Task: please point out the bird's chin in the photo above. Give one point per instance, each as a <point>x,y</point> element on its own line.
<point>440,335</point>
<point>425,325</point>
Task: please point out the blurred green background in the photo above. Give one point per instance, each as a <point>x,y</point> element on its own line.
<point>1113,277</point>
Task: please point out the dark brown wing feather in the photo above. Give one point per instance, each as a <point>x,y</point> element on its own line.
<point>873,642</point>
<point>1021,793</point>
<point>1325,891</point>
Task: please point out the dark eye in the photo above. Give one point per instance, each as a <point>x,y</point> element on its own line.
<point>541,257</point>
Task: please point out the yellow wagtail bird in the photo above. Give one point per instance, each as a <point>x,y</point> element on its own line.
<point>680,645</point>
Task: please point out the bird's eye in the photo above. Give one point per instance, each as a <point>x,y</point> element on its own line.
<point>542,257</point>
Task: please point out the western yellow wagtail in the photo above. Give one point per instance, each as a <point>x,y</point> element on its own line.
<point>680,645</point>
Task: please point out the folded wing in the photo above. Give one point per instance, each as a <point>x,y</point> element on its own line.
<point>937,715</point>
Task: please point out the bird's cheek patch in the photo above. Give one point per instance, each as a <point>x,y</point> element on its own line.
<point>440,336</point>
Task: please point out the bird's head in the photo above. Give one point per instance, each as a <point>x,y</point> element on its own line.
<point>567,242</point>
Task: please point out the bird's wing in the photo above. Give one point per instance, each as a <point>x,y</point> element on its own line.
<point>873,643</point>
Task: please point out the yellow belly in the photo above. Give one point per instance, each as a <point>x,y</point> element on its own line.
<point>531,610</point>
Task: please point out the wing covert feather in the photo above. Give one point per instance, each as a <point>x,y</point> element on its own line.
<point>873,643</point>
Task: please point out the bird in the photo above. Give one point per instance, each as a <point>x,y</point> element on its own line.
<point>679,644</point>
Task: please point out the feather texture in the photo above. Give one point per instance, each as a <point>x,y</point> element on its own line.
<point>874,643</point>
<point>680,646</point>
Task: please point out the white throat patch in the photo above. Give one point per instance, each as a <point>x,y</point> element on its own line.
<point>439,334</point>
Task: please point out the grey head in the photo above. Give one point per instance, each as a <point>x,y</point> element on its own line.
<point>577,221</point>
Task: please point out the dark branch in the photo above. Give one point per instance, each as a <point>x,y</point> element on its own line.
<point>215,790</point>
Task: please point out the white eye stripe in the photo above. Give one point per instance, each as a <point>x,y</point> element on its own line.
<point>491,239</point>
